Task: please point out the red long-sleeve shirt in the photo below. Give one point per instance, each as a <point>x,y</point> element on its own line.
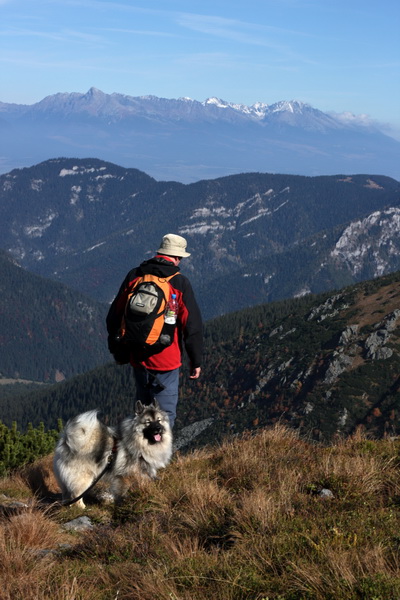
<point>189,330</point>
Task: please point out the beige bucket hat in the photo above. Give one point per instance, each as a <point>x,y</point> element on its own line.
<point>173,245</point>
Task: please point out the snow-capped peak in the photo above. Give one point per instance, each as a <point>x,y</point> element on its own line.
<point>217,102</point>
<point>258,109</point>
<point>292,106</point>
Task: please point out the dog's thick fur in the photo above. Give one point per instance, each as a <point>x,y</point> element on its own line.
<point>143,445</point>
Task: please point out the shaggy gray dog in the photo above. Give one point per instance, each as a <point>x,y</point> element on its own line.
<point>138,446</point>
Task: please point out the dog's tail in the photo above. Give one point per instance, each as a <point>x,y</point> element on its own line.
<point>81,432</point>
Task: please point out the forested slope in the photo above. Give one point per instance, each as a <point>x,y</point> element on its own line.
<point>323,364</point>
<point>48,332</point>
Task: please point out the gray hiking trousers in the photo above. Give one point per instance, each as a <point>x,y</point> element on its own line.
<point>161,385</point>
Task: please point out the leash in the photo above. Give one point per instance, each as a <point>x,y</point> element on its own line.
<point>151,379</point>
<point>111,459</point>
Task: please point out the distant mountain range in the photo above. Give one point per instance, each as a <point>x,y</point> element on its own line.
<point>254,237</point>
<point>186,140</point>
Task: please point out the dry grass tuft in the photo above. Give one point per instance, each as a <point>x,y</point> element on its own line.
<point>14,486</point>
<point>27,539</point>
<point>243,521</point>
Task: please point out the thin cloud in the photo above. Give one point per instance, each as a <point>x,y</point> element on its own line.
<point>107,5</point>
<point>27,61</point>
<point>138,32</point>
<point>100,65</point>
<point>66,35</point>
<point>83,36</point>
<point>228,61</point>
<point>243,32</point>
<point>250,33</point>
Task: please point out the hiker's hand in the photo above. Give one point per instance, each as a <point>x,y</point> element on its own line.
<point>195,373</point>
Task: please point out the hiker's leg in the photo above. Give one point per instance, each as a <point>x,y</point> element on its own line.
<point>167,397</point>
<point>143,392</point>
<point>149,385</point>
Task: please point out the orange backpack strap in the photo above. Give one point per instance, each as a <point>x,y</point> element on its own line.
<point>164,285</point>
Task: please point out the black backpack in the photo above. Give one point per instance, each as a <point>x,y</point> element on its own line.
<point>143,330</point>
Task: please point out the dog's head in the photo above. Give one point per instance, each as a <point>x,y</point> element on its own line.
<point>154,422</point>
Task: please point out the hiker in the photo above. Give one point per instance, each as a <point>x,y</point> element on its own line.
<point>157,376</point>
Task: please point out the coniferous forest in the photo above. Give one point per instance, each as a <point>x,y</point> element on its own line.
<point>48,332</point>
<point>306,362</point>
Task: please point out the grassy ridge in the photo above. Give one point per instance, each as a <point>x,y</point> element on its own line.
<point>241,521</point>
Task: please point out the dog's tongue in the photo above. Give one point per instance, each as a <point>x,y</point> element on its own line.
<point>157,437</point>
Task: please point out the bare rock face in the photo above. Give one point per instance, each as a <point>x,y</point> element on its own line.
<point>375,342</point>
<point>348,335</point>
<point>340,363</point>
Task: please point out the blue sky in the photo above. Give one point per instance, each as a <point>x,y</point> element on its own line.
<point>333,54</point>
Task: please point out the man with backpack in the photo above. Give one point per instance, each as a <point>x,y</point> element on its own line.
<point>153,316</point>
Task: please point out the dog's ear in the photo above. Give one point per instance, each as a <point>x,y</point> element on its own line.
<point>139,408</point>
<point>156,404</point>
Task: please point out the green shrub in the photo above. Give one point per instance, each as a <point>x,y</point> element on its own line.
<point>18,449</point>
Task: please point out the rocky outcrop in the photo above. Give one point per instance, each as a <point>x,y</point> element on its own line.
<point>343,357</point>
<point>375,343</point>
<point>187,434</point>
<point>340,363</point>
<point>348,335</point>
<point>330,308</point>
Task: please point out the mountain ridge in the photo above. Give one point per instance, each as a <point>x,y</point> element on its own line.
<point>86,223</point>
<point>186,140</point>
<point>94,99</point>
